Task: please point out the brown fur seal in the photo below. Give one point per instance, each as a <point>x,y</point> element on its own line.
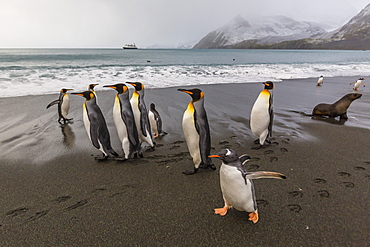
<point>338,108</point>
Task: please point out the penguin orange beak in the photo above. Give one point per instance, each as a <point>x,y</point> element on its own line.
<point>132,83</point>
<point>80,94</point>
<point>214,156</point>
<point>185,91</point>
<point>111,86</point>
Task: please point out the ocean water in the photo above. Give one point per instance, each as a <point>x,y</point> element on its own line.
<point>45,71</point>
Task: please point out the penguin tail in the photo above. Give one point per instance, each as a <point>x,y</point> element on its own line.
<point>261,174</point>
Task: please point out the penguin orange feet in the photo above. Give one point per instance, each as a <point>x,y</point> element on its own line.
<point>253,217</point>
<point>155,135</point>
<point>221,211</point>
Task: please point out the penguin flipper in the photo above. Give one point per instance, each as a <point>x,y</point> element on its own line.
<point>53,103</point>
<point>202,127</point>
<point>94,127</point>
<point>262,174</point>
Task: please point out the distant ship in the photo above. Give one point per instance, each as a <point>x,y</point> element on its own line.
<point>130,46</point>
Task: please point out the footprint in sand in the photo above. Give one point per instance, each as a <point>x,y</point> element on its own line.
<point>272,159</point>
<point>262,203</point>
<point>286,141</point>
<point>296,193</point>
<point>62,199</point>
<point>283,150</point>
<point>223,142</point>
<point>360,168</point>
<point>77,205</point>
<point>296,208</point>
<point>38,215</point>
<point>319,181</point>
<point>17,211</point>
<point>174,147</point>
<point>344,174</point>
<point>349,184</point>
<point>178,142</point>
<point>267,152</point>
<point>323,193</point>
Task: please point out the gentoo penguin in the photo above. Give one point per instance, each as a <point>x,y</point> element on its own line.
<point>196,131</point>
<point>155,121</point>
<point>63,105</point>
<point>320,81</point>
<point>125,122</point>
<point>262,114</point>
<point>96,126</point>
<point>236,183</point>
<point>141,114</point>
<point>357,83</point>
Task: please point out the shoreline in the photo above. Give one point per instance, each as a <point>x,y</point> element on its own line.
<point>54,193</point>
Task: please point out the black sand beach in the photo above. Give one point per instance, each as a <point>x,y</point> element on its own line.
<point>53,192</point>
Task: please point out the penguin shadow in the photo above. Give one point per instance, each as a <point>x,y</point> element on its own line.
<point>69,136</point>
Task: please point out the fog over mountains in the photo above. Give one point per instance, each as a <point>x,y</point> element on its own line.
<point>281,32</point>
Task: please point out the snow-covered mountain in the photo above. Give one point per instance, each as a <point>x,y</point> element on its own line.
<point>265,30</point>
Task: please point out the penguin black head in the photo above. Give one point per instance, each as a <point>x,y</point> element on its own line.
<point>120,87</point>
<point>91,87</point>
<point>137,85</point>
<point>152,106</point>
<point>196,94</point>
<point>229,156</point>
<point>65,90</point>
<point>269,85</point>
<point>87,94</point>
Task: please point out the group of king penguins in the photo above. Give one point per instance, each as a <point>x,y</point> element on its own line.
<point>131,118</point>
<point>133,123</point>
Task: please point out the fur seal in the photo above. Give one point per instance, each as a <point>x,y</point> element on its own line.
<point>339,108</point>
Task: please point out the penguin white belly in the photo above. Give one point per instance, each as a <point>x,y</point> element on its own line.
<point>234,190</point>
<point>121,127</point>
<point>260,117</point>
<point>357,85</point>
<point>191,136</point>
<point>86,121</point>
<point>65,105</point>
<point>153,123</point>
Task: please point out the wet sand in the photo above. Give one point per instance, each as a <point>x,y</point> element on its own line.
<point>54,193</point>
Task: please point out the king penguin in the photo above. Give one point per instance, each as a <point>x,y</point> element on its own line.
<point>125,122</point>
<point>155,121</point>
<point>196,131</point>
<point>236,183</point>
<point>262,114</point>
<point>96,126</point>
<point>63,105</point>
<point>91,87</point>
<point>141,114</point>
<point>320,81</point>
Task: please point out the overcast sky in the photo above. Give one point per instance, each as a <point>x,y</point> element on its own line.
<point>112,23</point>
